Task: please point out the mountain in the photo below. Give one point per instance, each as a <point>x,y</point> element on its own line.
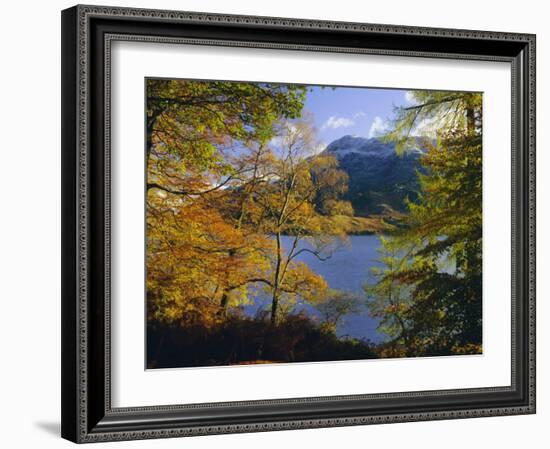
<point>378,176</point>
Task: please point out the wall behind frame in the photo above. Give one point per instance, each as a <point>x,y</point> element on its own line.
<point>31,209</point>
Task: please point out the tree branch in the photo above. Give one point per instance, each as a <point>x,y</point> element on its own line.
<point>154,185</point>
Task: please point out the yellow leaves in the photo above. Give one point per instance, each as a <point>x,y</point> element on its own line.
<point>396,308</point>
<point>469,348</point>
<point>194,256</point>
<point>301,281</point>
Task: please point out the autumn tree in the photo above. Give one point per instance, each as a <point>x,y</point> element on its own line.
<point>335,305</point>
<point>197,260</point>
<point>193,125</point>
<point>286,206</point>
<point>194,256</point>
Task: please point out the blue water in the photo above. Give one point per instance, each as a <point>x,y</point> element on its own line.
<point>347,269</point>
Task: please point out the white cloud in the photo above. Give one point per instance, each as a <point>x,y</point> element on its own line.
<point>425,128</point>
<point>378,127</point>
<point>409,97</point>
<point>288,129</point>
<point>338,122</point>
<point>319,148</point>
<point>276,141</point>
<point>359,115</point>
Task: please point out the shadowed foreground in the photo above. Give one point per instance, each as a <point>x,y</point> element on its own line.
<point>249,341</point>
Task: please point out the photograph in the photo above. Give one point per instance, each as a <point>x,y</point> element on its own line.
<point>310,223</point>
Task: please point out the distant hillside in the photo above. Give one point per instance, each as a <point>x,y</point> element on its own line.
<point>378,175</point>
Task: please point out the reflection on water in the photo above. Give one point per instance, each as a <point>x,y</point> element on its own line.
<point>347,269</point>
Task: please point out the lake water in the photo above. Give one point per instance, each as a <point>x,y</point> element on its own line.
<point>347,269</point>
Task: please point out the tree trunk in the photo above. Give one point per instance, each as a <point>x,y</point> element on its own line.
<point>471,120</point>
<point>150,127</point>
<point>274,306</point>
<point>224,303</point>
<point>275,296</point>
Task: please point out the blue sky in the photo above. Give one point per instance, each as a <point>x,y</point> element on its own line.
<point>352,110</point>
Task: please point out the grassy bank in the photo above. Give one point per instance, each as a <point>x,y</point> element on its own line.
<point>358,225</point>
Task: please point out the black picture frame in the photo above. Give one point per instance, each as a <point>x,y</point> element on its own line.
<point>87,414</point>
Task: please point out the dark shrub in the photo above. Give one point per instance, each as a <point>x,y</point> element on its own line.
<point>243,340</point>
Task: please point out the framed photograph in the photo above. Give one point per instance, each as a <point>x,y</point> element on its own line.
<point>276,224</point>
